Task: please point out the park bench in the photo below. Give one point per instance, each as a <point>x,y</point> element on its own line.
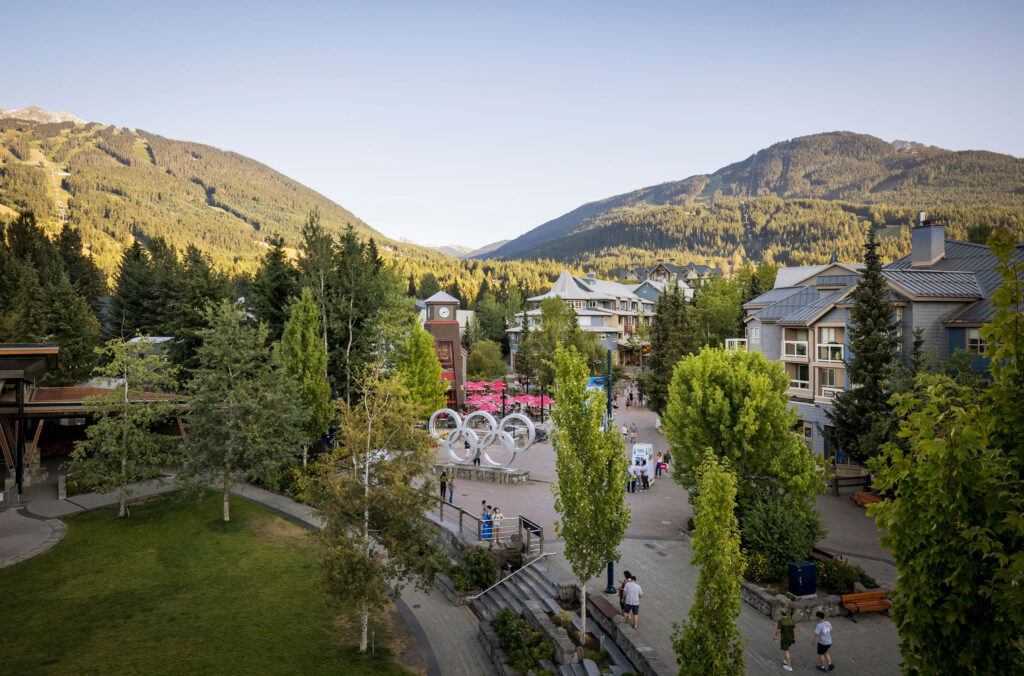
<point>605,606</point>
<point>865,499</point>
<point>866,602</point>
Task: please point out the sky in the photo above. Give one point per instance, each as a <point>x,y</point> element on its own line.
<point>466,123</point>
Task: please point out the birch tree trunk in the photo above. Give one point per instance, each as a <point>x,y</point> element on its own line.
<point>122,507</point>
<point>227,488</point>
<point>364,615</point>
<point>583,616</point>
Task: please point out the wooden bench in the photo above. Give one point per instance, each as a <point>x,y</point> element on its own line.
<point>866,602</point>
<point>865,499</point>
<point>605,606</point>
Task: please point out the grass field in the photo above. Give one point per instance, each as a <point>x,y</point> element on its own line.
<point>173,589</point>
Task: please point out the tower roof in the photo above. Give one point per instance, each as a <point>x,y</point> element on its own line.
<point>441,297</point>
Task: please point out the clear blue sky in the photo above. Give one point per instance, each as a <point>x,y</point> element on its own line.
<point>469,122</point>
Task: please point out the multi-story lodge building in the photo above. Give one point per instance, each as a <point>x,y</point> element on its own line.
<point>609,309</point>
<point>943,287</point>
<point>687,276</point>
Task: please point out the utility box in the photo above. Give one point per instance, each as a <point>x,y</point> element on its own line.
<point>802,578</point>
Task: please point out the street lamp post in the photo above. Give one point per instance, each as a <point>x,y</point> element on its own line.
<point>610,589</point>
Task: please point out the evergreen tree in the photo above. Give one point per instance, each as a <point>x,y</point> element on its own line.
<point>673,336</point>
<point>591,468</point>
<point>133,289</point>
<point>861,413</point>
<point>275,285</point>
<point>373,500</point>
<point>420,371</point>
<point>69,322</point>
<point>302,356</point>
<point>200,288</point>
<point>83,272</point>
<point>709,642</point>
<point>123,444</point>
<point>428,285</point>
<point>411,291</point>
<point>952,513</point>
<point>243,420</point>
<point>316,264</point>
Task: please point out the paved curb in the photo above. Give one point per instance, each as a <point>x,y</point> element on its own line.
<point>58,529</point>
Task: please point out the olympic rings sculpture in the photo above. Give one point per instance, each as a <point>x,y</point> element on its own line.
<point>481,431</point>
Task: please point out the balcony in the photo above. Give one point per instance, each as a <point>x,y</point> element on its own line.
<point>794,349</point>
<point>736,343</point>
<point>800,384</point>
<point>830,392</point>
<point>831,353</point>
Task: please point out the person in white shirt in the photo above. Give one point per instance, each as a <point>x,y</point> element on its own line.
<point>823,638</point>
<point>631,595</point>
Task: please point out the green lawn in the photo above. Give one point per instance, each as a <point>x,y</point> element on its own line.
<point>173,589</point>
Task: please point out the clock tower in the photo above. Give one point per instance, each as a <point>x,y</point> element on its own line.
<point>443,324</point>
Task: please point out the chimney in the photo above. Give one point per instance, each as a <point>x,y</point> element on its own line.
<point>672,261</point>
<point>927,243</point>
<point>708,262</point>
<point>591,275</point>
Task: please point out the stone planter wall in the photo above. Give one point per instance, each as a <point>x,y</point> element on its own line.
<point>492,646</point>
<point>565,649</point>
<point>444,584</point>
<point>801,610</point>
<point>471,472</point>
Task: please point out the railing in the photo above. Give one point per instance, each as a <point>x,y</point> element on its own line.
<point>831,352</point>
<point>472,526</point>
<point>532,536</point>
<point>799,384</point>
<point>830,392</point>
<point>508,577</point>
<point>794,348</point>
<point>736,343</point>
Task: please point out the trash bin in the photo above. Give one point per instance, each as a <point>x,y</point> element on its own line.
<point>802,578</point>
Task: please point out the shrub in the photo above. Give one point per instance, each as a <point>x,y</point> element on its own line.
<point>461,581</point>
<point>515,562</point>
<point>523,646</point>
<point>836,576</point>
<point>782,530</point>
<point>562,619</point>
<point>481,567</point>
<point>759,568</point>
<point>690,524</point>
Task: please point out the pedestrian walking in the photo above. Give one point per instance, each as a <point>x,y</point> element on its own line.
<point>823,639</point>
<point>496,519</point>
<point>645,476</point>
<point>444,483</point>
<point>626,575</point>
<point>476,455</point>
<point>657,464</point>
<point>451,489</point>
<point>787,629</point>
<point>634,476</point>
<point>632,432</point>
<point>629,402</point>
<point>625,432</point>
<point>632,593</point>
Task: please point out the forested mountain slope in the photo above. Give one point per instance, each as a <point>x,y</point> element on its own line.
<point>794,202</point>
<point>116,184</point>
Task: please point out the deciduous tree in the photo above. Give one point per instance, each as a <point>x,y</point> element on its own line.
<point>420,369</point>
<point>591,467</point>
<point>373,500</point>
<point>735,403</point>
<point>709,641</point>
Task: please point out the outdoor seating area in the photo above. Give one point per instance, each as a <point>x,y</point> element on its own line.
<point>496,397</point>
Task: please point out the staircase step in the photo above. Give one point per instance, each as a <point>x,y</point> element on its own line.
<point>532,589</point>
<point>590,668</point>
<point>542,580</point>
<point>564,670</point>
<point>548,665</point>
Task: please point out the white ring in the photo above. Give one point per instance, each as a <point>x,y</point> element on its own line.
<point>481,437</point>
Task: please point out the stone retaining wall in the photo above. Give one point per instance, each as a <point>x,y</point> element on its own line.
<point>444,584</point>
<point>801,610</point>
<point>492,646</point>
<point>497,475</point>
<point>643,657</point>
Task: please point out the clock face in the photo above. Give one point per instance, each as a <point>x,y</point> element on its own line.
<point>443,312</point>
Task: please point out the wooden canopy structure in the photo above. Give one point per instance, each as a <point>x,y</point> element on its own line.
<point>22,365</point>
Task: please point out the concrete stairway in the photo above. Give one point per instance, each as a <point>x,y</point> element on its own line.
<point>533,582</point>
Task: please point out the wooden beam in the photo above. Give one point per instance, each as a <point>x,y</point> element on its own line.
<point>6,444</point>
<point>35,441</point>
<point>181,429</point>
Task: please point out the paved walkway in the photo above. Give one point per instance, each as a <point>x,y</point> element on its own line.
<point>446,634</point>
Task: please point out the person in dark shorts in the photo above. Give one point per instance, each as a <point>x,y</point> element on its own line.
<point>823,639</point>
<point>787,628</point>
<point>444,484</point>
<point>622,586</point>
<point>632,593</point>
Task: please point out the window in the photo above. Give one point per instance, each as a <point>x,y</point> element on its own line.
<point>593,303</point>
<point>808,434</point>
<point>828,377</point>
<point>975,343</point>
<point>754,335</point>
<point>899,329</point>
<point>597,321</point>
<point>826,335</point>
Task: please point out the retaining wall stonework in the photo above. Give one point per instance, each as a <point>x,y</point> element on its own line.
<point>497,475</point>
<point>801,610</point>
<point>641,655</point>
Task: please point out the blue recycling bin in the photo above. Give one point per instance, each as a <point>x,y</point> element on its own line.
<point>802,580</point>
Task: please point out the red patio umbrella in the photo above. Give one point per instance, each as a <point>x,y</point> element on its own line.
<point>497,385</point>
<point>473,385</point>
<point>489,408</point>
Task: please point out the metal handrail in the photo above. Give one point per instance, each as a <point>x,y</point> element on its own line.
<point>509,577</point>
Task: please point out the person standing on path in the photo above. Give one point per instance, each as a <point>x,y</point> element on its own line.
<point>823,639</point>
<point>444,483</point>
<point>496,519</point>
<point>625,432</point>
<point>451,489</point>
<point>657,464</point>
<point>787,628</point>
<point>632,432</point>
<point>626,575</point>
<point>487,528</point>
<point>644,476</point>
<point>632,593</point>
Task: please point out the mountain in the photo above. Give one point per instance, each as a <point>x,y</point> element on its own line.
<point>798,198</point>
<point>454,250</point>
<point>119,184</point>
<point>487,248</point>
<point>35,114</point>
